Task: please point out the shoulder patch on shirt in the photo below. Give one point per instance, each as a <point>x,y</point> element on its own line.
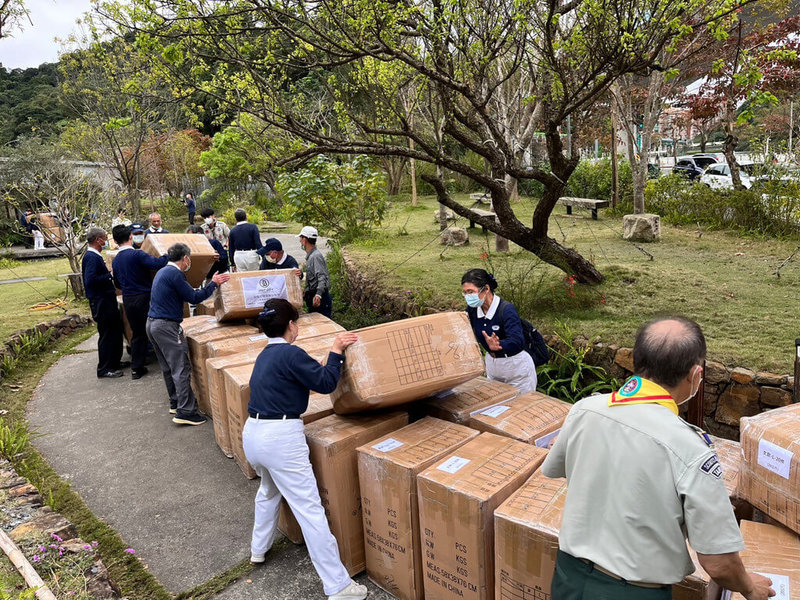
<point>712,467</point>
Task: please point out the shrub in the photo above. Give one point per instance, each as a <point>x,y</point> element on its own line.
<point>592,179</point>
<point>348,316</point>
<point>345,199</point>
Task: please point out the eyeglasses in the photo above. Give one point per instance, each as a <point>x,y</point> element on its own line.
<point>465,294</point>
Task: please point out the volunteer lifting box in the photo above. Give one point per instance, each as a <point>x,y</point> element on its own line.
<point>770,478</point>
<point>203,254</point>
<point>387,473</point>
<point>532,418</point>
<point>407,360</point>
<point>456,405</point>
<point>457,499</point>
<point>244,295</point>
<point>774,552</point>
<point>332,444</point>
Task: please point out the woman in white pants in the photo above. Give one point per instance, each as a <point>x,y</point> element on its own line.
<point>498,328</point>
<point>275,444</point>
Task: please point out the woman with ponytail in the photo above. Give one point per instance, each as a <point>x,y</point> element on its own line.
<point>498,329</point>
<point>275,444</point>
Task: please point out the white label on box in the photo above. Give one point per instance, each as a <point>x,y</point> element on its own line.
<point>495,411</point>
<point>453,464</point>
<point>545,440</point>
<point>780,583</point>
<point>257,290</point>
<point>445,393</point>
<point>258,338</point>
<point>774,458</point>
<point>387,445</point>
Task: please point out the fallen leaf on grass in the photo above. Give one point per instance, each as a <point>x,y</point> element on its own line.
<point>739,254</point>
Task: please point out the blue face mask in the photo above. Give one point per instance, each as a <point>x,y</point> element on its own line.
<point>473,300</point>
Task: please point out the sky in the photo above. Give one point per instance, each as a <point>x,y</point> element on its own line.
<point>35,44</point>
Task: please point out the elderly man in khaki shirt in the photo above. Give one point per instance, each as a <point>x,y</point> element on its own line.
<point>642,480</point>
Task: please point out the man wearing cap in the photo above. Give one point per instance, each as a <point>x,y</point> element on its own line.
<point>243,241</point>
<point>137,233</point>
<point>317,294</point>
<point>273,256</point>
<point>641,481</point>
<point>155,225</point>
<point>133,274</point>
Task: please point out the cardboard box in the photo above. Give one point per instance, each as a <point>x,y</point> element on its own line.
<point>387,474</point>
<point>319,344</point>
<point>456,405</point>
<point>332,443</point>
<point>770,479</point>
<point>730,457</point>
<point>202,252</point>
<point>775,552</point>
<point>206,307</point>
<point>198,354</point>
<point>197,324</point>
<point>532,418</point>
<point>127,332</point>
<point>108,257</point>
<point>315,325</point>
<point>457,500</point>
<point>245,294</point>
<point>407,360</point>
<point>526,545</point>
<point>217,398</point>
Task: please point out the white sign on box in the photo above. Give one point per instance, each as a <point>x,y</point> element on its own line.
<point>387,445</point>
<point>495,411</point>
<point>257,290</point>
<point>453,464</point>
<point>258,338</point>
<point>774,458</point>
<point>780,583</point>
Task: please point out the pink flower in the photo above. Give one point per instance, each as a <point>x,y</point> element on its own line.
<point>35,558</point>
<point>87,547</point>
<point>55,537</point>
<point>94,544</point>
<point>130,550</point>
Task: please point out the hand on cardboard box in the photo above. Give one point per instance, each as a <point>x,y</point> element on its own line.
<point>299,273</point>
<point>220,278</point>
<point>761,587</point>
<point>343,340</point>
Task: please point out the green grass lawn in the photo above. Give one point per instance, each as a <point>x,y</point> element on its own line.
<point>724,281</point>
<point>17,298</point>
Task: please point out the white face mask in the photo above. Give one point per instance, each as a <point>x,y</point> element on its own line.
<point>138,239</point>
<point>269,258</point>
<point>209,220</point>
<point>188,267</point>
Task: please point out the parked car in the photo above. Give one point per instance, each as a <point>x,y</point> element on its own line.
<point>718,176</point>
<point>693,166</point>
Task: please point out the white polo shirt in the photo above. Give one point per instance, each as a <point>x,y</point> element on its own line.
<point>641,480</point>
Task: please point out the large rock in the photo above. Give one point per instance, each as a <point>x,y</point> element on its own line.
<point>736,402</point>
<point>455,236</point>
<point>774,396</point>
<point>451,216</point>
<point>716,372</point>
<point>641,228</point>
<point>624,359</point>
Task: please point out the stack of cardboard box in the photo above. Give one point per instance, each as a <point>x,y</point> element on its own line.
<point>532,418</point>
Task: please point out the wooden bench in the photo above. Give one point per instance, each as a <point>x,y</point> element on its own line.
<point>481,213</point>
<point>593,205</point>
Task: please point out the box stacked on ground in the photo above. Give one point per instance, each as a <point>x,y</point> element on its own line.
<point>458,404</point>
<point>244,295</point>
<point>532,418</point>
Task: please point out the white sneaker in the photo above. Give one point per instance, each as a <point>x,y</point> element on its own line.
<point>257,559</point>
<point>354,591</point>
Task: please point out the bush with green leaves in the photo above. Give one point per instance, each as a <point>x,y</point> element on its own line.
<point>568,376</point>
<point>592,179</point>
<point>345,199</point>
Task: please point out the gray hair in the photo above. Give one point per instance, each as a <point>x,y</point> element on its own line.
<point>154,214</point>
<point>177,252</point>
<point>94,234</point>
<point>667,348</point>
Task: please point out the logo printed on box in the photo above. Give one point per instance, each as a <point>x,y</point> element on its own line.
<point>495,411</point>
<point>257,290</point>
<point>387,445</point>
<point>453,464</point>
<point>774,458</point>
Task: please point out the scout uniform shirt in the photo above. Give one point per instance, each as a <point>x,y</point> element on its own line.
<point>641,480</point>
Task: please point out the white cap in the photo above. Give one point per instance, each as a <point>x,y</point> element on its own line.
<point>309,232</point>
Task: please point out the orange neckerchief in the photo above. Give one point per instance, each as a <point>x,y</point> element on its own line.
<point>642,391</point>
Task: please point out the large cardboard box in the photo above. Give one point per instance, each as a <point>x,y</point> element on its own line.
<point>245,294</point>
<point>457,500</point>
<point>770,479</point>
<point>318,342</point>
<point>202,252</point>
<point>127,332</point>
<point>526,545</point>
<point>773,551</point>
<point>315,325</point>
<point>197,324</point>
<point>458,404</point>
<point>387,473</point>
<point>217,397</point>
<point>532,418</point>
<point>730,457</point>
<point>332,444</point>
<point>198,354</point>
<point>407,360</point>
<point>206,307</point>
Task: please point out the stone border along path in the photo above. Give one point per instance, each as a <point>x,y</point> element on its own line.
<point>167,490</point>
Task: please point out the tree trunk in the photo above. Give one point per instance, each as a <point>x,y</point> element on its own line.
<point>703,141</point>
<point>413,175</point>
<point>442,207</point>
<point>729,145</point>
<point>512,185</point>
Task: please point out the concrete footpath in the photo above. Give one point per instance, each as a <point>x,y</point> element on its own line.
<point>171,494</point>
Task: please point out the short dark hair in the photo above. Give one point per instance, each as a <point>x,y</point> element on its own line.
<point>121,233</point>
<point>240,215</point>
<point>194,229</point>
<point>276,316</point>
<point>667,357</point>
<point>178,251</point>
<point>480,278</point>
<point>207,212</point>
<point>312,241</point>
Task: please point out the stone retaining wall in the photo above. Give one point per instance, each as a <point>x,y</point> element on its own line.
<point>730,392</point>
<point>60,327</point>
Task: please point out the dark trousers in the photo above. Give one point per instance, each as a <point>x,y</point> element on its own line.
<point>325,305</point>
<point>136,309</point>
<point>172,352</point>
<point>577,580</point>
<point>109,325</point>
<point>191,218</point>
